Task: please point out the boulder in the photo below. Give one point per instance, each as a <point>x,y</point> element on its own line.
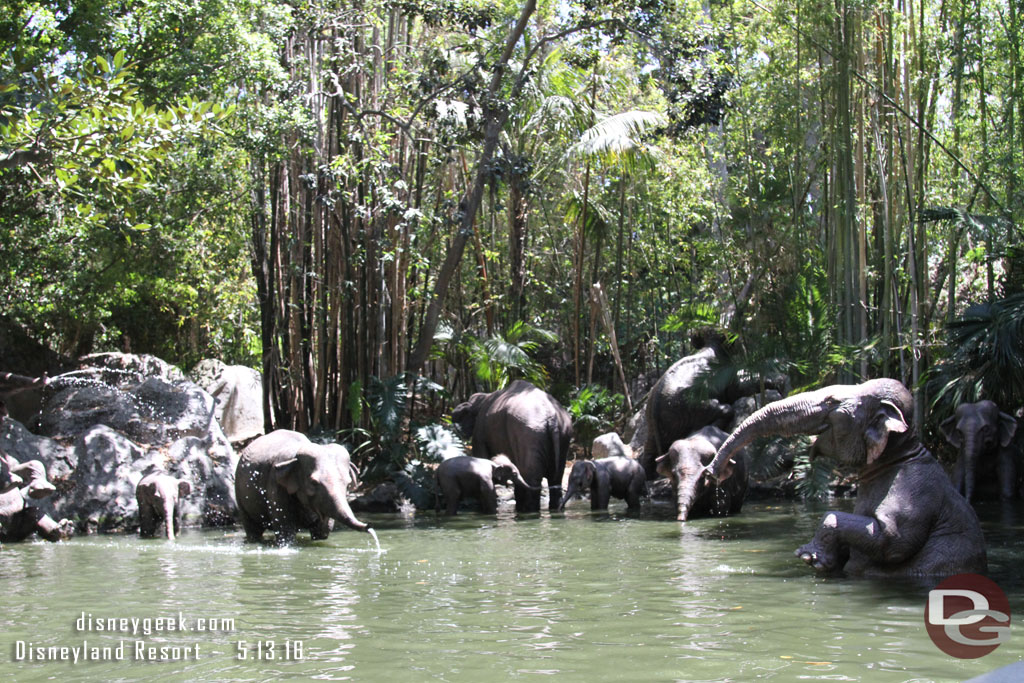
<point>238,391</point>
<point>119,417</point>
<point>17,441</point>
<point>610,445</point>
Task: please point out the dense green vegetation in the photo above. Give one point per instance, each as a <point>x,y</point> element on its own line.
<point>347,195</point>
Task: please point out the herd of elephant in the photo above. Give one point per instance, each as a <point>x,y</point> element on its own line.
<point>909,519</point>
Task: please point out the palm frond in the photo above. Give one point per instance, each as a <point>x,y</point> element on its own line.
<point>437,443</point>
<point>619,138</point>
<point>986,357</point>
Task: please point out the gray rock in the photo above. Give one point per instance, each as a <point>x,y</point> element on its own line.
<point>610,445</point>
<point>100,493</point>
<point>121,424</point>
<point>17,441</point>
<point>238,391</point>
<point>383,498</point>
<point>748,405</point>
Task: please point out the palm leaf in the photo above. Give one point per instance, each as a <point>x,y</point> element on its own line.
<point>618,138</point>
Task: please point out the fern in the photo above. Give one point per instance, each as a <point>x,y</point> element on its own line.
<point>437,443</point>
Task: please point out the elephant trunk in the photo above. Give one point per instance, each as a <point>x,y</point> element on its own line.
<point>518,479</point>
<point>345,515</point>
<point>686,493</point>
<point>969,455</point>
<point>569,493</point>
<point>169,517</point>
<point>801,414</point>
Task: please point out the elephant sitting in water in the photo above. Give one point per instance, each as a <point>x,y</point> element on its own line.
<point>616,476</point>
<point>466,476</point>
<point>983,436</point>
<point>908,519</point>
<point>18,519</point>
<point>530,427</point>
<point>157,495</point>
<point>695,493</point>
<point>284,482</point>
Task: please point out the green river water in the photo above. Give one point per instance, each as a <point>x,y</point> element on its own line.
<point>581,595</point>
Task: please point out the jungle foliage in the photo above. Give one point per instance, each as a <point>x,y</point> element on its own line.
<point>386,205</point>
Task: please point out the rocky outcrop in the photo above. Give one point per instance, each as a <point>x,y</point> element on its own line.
<point>115,419</point>
<point>238,391</point>
<point>610,445</point>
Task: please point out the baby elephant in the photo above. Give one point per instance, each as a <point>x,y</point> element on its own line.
<point>695,494</point>
<point>613,476</point>
<point>467,476</point>
<point>158,494</point>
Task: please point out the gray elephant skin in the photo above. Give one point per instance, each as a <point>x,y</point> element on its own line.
<point>677,406</point>
<point>284,482</point>
<point>23,483</point>
<point>696,493</point>
<point>158,494</point>
<point>982,436</point>
<point>467,477</point>
<point>530,427</point>
<point>908,519</point>
<point>605,478</point>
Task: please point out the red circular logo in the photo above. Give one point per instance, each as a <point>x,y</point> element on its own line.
<point>967,616</point>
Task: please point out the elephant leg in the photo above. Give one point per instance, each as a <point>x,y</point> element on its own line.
<point>253,528</point>
<point>527,500</point>
<point>488,498</point>
<point>1007,472</point>
<point>320,529</point>
<point>147,521</point>
<point>452,494</point>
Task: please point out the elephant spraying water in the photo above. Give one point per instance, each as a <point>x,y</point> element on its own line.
<point>908,519</point>
<point>284,483</point>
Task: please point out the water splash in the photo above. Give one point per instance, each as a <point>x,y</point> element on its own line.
<point>376,540</point>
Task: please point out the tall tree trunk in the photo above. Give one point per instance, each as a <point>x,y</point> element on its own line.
<point>494,120</point>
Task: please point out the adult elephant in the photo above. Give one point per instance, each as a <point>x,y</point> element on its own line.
<point>908,519</point>
<point>682,401</point>
<point>982,434</point>
<point>529,426</point>
<point>284,482</point>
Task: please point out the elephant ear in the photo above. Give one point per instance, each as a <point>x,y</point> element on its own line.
<point>1007,428</point>
<point>184,488</point>
<point>949,430</point>
<point>589,472</point>
<point>887,420</point>
<point>286,474</point>
<point>147,487</point>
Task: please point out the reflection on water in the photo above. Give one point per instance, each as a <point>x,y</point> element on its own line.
<point>584,595</point>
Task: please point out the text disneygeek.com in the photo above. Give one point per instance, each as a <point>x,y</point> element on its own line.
<point>138,649</point>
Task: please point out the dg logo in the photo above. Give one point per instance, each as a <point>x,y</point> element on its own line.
<point>967,616</point>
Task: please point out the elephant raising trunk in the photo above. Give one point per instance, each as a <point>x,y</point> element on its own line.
<point>908,520</point>
<point>814,412</point>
